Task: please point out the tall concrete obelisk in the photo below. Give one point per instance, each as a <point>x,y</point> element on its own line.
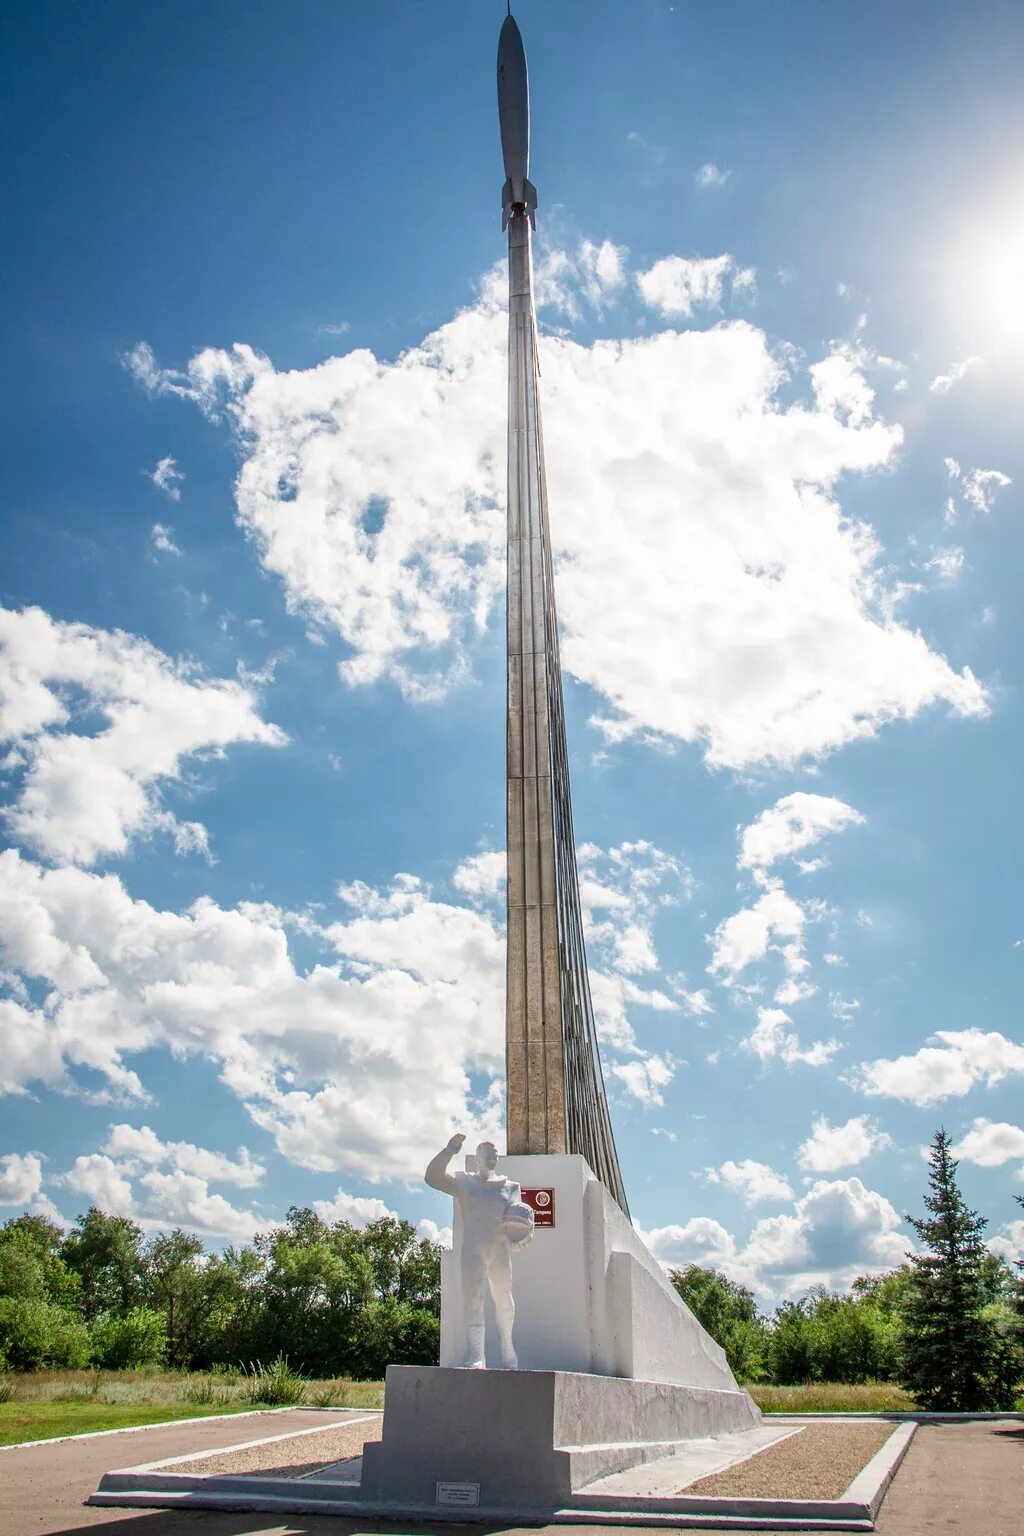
<point>556,1095</point>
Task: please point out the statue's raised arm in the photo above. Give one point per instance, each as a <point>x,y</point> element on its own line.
<point>437,1175</point>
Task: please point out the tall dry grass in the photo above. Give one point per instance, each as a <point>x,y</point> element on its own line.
<point>208,1391</point>
<point>201,1390</point>
<point>833,1397</point>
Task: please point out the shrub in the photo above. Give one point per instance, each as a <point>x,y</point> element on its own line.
<point>126,1343</point>
<point>389,1332</point>
<point>325,1394</point>
<point>35,1333</point>
<point>276,1384</point>
<point>203,1393</point>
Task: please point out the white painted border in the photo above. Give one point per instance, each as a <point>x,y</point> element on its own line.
<point>206,1418</point>
<point>872,1481</point>
<point>170,1462</point>
<point>852,1511</point>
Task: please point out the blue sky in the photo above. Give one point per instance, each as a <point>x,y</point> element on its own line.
<point>251,668</point>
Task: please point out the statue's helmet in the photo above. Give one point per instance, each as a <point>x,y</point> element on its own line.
<point>518,1223</point>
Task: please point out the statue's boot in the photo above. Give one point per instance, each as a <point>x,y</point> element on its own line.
<point>475,1360</point>
<point>509,1358</point>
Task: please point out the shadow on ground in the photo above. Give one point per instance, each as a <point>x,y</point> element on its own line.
<point>208,1522</point>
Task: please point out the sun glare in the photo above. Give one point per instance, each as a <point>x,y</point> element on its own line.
<point>994,288</point>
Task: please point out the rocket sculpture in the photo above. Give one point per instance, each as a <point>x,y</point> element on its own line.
<point>556,1094</point>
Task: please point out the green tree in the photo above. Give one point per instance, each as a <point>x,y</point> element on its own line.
<point>403,1266</point>
<point>953,1359</point>
<point>729,1313</point>
<point>31,1264</point>
<point>849,1339</point>
<point>173,1266</point>
<point>105,1252</point>
<point>125,1343</point>
<point>315,1280</point>
<point>390,1332</point>
<point>790,1350</point>
<point>36,1333</point>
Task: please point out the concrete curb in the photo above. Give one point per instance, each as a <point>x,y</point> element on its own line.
<point>243,1445</point>
<point>902,1415</point>
<point>268,1504</point>
<point>154,1488</point>
<point>872,1482</point>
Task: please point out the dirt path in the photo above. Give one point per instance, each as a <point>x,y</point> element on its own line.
<point>957,1480</point>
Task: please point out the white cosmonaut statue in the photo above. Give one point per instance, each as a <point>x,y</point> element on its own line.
<point>495,1220</point>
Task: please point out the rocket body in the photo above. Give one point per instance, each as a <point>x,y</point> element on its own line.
<point>518,193</point>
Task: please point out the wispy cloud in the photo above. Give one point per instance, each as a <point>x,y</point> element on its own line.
<point>167,477</point>
<point>944,382</point>
<point>162,538</point>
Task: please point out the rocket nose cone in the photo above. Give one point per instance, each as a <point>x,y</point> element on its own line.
<point>513,100</point>
<point>510,33</point>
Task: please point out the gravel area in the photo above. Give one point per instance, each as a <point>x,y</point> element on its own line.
<point>287,1458</point>
<point>819,1462</point>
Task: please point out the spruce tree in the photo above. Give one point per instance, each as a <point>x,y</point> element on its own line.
<point>949,1346</point>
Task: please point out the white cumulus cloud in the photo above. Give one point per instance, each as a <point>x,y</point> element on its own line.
<point>164,1184</point>
<point>644,1080</point>
<point>137,1148</point>
<point>947,1067</point>
<point>839,1229</point>
<point>21,1178</point>
<point>770,1038</point>
<point>747,935</point>
<point>752,1181</point>
<point>791,824</point>
<point>357,1210</point>
<point>710,586</point>
<point>698,1241</point>
<point>356,1064</point>
<point>482,875</point>
<point>831,1147</point>
<point>87,793</point>
<point>677,285</point>
<point>990,1143</point>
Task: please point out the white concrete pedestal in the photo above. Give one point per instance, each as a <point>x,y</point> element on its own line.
<point>466,1444</point>
<point>589,1296</point>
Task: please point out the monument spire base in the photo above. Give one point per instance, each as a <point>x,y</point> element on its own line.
<point>589,1297</point>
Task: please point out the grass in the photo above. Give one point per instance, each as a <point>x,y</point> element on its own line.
<point>45,1404</point>
<point>833,1397</point>
<point>21,1422</point>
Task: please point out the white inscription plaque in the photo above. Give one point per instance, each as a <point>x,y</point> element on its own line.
<point>465,1494</point>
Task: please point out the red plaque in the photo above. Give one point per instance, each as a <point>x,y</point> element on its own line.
<point>542,1202</point>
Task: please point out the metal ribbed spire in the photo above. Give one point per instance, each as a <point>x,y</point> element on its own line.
<point>556,1095</point>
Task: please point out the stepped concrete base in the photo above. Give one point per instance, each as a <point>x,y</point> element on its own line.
<point>513,1440</point>
<point>653,1493</point>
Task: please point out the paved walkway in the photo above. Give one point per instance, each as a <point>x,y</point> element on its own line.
<point>956,1480</point>
<point>959,1480</point>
